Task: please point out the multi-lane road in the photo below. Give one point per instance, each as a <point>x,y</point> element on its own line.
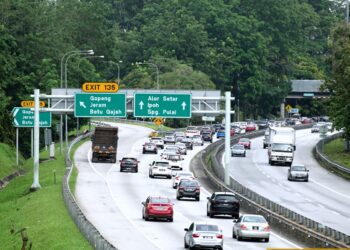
<point>325,198</point>
<point>111,200</point>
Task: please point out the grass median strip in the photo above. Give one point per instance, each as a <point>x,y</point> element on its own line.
<point>40,215</point>
<point>335,151</point>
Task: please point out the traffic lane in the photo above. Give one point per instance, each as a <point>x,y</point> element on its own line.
<point>271,182</point>
<point>131,189</point>
<point>93,195</point>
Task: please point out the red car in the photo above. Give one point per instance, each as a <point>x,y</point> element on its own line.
<point>245,142</point>
<point>250,127</point>
<point>156,207</point>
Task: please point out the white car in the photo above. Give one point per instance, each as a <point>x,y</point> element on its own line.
<point>160,168</point>
<point>182,176</point>
<point>191,131</point>
<point>182,147</point>
<point>169,139</point>
<point>172,148</point>
<point>158,141</point>
<point>197,140</point>
<point>203,235</point>
<point>175,160</point>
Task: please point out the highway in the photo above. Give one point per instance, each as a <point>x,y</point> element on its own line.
<point>111,200</point>
<point>325,198</point>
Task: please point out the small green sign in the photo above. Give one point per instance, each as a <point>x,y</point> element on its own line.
<point>308,94</point>
<point>24,118</point>
<point>99,105</point>
<point>162,105</point>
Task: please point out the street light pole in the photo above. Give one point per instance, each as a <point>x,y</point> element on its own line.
<point>154,65</point>
<point>87,52</point>
<point>115,63</point>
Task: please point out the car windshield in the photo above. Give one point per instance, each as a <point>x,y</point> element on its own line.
<point>191,128</point>
<point>156,139</point>
<point>189,184</point>
<point>162,163</point>
<point>184,174</point>
<point>207,228</point>
<point>298,168</point>
<point>225,198</point>
<point>159,200</point>
<point>257,219</point>
<point>282,147</point>
<point>171,148</point>
<point>244,140</point>
<point>129,160</point>
<point>149,144</point>
<point>174,157</point>
<point>237,146</point>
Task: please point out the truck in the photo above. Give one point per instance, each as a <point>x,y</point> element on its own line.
<point>281,145</point>
<point>104,144</point>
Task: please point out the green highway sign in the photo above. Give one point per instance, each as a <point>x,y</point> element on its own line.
<point>99,105</point>
<point>24,117</point>
<point>162,105</point>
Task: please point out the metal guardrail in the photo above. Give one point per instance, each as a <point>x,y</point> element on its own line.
<point>85,226</point>
<point>324,160</point>
<point>312,232</point>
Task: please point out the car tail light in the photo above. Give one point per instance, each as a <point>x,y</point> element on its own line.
<point>176,178</point>
<point>243,227</point>
<point>219,236</point>
<point>197,189</point>
<point>97,148</point>
<point>181,188</point>
<point>195,235</point>
<point>111,148</point>
<point>267,229</point>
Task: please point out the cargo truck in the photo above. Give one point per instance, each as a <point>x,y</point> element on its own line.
<point>104,144</point>
<point>281,145</point>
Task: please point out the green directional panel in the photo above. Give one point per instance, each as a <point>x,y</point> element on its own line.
<point>24,118</point>
<point>162,105</point>
<point>99,105</point>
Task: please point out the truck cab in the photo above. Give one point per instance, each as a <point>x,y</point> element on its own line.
<point>104,144</point>
<point>281,150</point>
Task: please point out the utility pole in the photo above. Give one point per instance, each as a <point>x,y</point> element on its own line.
<point>347,13</point>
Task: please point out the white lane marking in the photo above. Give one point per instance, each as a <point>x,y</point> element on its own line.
<point>268,176</point>
<point>336,213</point>
<point>320,205</point>
<point>115,201</point>
<point>329,189</point>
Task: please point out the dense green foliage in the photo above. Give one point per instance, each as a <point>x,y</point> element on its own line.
<point>252,48</point>
<point>8,160</point>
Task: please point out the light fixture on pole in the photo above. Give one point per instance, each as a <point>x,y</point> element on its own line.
<point>116,63</point>
<point>154,65</point>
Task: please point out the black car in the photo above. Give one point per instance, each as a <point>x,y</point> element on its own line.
<point>188,188</point>
<point>130,164</point>
<point>216,127</point>
<point>224,203</point>
<point>207,136</point>
<point>188,142</point>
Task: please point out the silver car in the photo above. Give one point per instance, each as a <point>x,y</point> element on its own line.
<point>238,150</point>
<point>182,147</point>
<point>203,235</point>
<point>197,140</point>
<point>298,172</point>
<point>251,226</point>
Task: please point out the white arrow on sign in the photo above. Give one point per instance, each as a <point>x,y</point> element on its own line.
<point>82,104</point>
<point>14,117</point>
<point>141,105</point>
<point>183,105</point>
<point>15,112</point>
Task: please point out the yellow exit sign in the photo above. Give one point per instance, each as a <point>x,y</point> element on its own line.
<point>30,104</point>
<point>106,87</point>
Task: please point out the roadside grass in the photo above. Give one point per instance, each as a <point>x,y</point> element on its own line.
<point>335,151</point>
<point>42,213</point>
<point>8,160</point>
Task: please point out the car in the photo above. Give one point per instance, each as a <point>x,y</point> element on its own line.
<point>315,128</point>
<point>298,172</point>
<point>182,147</point>
<point>188,142</point>
<point>156,207</point>
<point>149,147</point>
<point>197,140</point>
<point>216,127</point>
<point>207,136</point>
<point>169,139</point>
<point>188,189</point>
<point>206,129</point>
<point>160,168</point>
<point>175,160</point>
<point>250,127</point>
<point>220,133</point>
<point>158,141</point>
<point>172,148</point>
<point>251,226</point>
<point>179,134</point>
<point>182,176</point>
<point>129,163</point>
<point>245,142</point>
<point>191,131</point>
<point>179,138</point>
<point>238,149</point>
<point>224,203</point>
<point>203,235</point>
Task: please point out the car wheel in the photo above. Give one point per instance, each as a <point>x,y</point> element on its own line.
<point>171,219</point>
<point>231,155</point>
<point>169,176</point>
<point>146,218</point>
<point>178,197</point>
<point>143,152</point>
<point>136,170</point>
<point>307,180</point>
<point>185,244</point>
<point>244,155</point>
<point>197,199</point>
<point>239,238</point>
<point>174,186</point>
<point>211,215</point>
<point>233,234</point>
<point>121,170</point>
<point>267,239</point>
